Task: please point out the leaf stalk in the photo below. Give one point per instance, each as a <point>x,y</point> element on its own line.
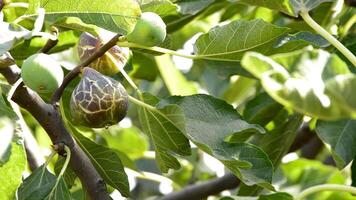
<point>336,43</point>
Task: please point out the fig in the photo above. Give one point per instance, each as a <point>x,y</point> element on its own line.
<point>150,30</point>
<point>42,74</point>
<point>98,101</point>
<point>110,63</point>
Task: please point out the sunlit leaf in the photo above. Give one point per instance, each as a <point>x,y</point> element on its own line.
<point>175,81</point>
<point>12,167</point>
<point>161,7</point>
<point>312,82</point>
<point>120,16</point>
<point>231,41</point>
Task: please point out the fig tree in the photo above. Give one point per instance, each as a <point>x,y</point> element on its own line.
<point>150,30</point>
<point>42,74</point>
<point>98,101</point>
<point>110,63</point>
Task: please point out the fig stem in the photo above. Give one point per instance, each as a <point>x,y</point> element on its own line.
<point>50,43</point>
<point>159,49</point>
<point>65,165</point>
<point>336,43</point>
<point>74,73</point>
<point>142,104</point>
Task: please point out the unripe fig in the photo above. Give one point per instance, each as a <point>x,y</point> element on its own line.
<point>42,74</point>
<point>150,30</point>
<point>110,63</point>
<point>98,101</point>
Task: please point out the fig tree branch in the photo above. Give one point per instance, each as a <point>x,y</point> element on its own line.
<point>74,73</point>
<point>49,118</point>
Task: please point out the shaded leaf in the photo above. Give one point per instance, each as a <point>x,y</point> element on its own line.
<point>165,129</point>
<point>59,192</point>
<point>105,160</point>
<point>261,110</point>
<point>306,5</point>
<point>38,185</point>
<point>341,136</point>
<point>304,36</point>
<point>210,122</point>
<point>192,7</point>
<point>231,41</point>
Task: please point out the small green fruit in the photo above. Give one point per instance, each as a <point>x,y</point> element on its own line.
<point>42,74</point>
<point>150,30</point>
<point>110,63</point>
<point>98,101</point>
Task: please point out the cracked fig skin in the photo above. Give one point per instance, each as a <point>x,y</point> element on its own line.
<point>98,101</point>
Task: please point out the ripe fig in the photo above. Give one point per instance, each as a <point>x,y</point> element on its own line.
<point>150,30</point>
<point>42,74</point>
<point>110,63</point>
<point>98,101</point>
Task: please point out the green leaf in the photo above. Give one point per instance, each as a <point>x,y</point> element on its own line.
<point>105,160</point>
<point>11,171</point>
<point>174,80</point>
<point>303,37</point>
<point>60,192</point>
<point>144,66</point>
<point>6,110</point>
<point>290,7</point>
<point>69,175</point>
<point>312,82</point>
<point>306,5</point>
<point>26,48</point>
<point>38,185</point>
<point>341,136</point>
<point>165,130</point>
<point>302,174</point>
<point>128,140</point>
<point>210,122</point>
<point>261,110</point>
<point>192,7</point>
<point>280,5</point>
<point>116,16</point>
<point>282,137</point>
<point>161,7</point>
<point>231,41</point>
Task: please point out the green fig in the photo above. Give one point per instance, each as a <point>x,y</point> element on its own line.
<point>98,101</point>
<point>110,63</point>
<point>42,74</point>
<point>150,30</point>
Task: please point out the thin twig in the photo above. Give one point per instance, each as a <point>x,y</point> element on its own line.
<point>74,73</point>
<point>50,43</point>
<point>202,190</point>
